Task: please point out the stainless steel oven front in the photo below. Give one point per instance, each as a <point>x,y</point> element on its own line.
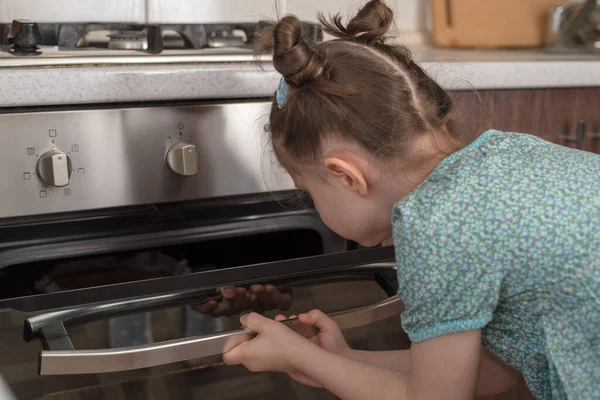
<point>116,220</point>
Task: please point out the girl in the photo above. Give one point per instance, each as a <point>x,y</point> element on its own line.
<point>496,243</point>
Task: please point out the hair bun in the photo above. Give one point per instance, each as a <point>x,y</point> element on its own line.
<point>296,59</point>
<point>371,22</point>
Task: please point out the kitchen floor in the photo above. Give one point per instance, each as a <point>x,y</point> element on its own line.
<point>192,380</point>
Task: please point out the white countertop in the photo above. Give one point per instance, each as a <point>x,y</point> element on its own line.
<point>96,81</point>
<point>509,69</point>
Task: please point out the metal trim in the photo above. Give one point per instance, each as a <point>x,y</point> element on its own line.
<point>113,244</point>
<point>77,59</point>
<point>246,275</point>
<point>34,326</point>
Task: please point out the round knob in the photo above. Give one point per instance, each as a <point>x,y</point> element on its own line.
<point>182,159</point>
<point>55,168</point>
<point>24,35</point>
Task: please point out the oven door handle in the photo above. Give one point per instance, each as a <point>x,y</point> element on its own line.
<point>66,362</point>
<point>60,358</point>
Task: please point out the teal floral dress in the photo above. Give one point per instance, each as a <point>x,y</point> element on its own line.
<point>504,235</point>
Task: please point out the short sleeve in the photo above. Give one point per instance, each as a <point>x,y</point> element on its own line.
<point>445,282</point>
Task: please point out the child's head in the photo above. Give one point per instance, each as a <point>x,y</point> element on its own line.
<point>356,109</point>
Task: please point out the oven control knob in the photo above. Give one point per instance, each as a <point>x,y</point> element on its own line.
<point>55,168</point>
<point>25,36</point>
<point>182,159</point>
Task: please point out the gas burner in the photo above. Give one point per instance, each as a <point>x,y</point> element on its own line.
<point>128,40</point>
<point>227,38</point>
<point>26,37</point>
<point>148,39</point>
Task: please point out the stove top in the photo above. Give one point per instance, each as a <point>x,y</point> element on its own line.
<point>26,42</point>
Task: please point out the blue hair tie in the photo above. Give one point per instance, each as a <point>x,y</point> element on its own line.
<point>282,93</point>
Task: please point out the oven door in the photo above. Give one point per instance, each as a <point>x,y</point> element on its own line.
<point>94,351</point>
<point>72,261</point>
<point>108,301</point>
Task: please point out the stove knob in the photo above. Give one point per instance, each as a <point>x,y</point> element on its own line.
<point>24,35</point>
<point>55,168</point>
<point>182,159</point>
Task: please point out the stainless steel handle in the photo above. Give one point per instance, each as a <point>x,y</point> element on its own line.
<point>59,357</point>
<point>113,360</point>
<point>579,137</point>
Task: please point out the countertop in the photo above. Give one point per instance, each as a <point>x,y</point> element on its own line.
<point>509,69</point>
<point>94,80</point>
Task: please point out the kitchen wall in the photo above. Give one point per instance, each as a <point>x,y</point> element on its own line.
<point>411,15</point>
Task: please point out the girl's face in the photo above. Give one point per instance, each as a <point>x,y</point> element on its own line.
<point>365,220</point>
<point>355,193</point>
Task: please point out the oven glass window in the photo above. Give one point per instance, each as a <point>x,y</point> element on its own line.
<point>77,273</point>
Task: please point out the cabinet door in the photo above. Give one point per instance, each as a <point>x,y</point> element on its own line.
<point>552,114</point>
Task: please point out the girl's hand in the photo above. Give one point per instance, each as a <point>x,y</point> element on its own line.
<point>274,348</point>
<point>330,338</point>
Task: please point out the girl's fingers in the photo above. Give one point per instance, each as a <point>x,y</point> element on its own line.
<point>207,307</point>
<point>264,297</point>
<point>228,292</point>
<point>318,319</point>
<point>280,317</point>
<point>256,307</point>
<point>282,298</point>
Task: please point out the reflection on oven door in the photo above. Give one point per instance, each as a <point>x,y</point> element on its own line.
<point>351,298</point>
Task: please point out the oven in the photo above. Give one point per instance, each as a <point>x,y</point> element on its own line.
<point>117,221</point>
<point>136,180</point>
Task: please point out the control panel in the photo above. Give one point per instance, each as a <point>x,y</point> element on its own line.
<point>79,160</point>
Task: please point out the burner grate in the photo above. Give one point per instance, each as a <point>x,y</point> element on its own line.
<point>25,36</point>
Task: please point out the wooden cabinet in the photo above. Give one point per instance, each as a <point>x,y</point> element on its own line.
<point>552,114</point>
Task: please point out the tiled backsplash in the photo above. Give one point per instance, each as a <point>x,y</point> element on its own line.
<point>410,14</point>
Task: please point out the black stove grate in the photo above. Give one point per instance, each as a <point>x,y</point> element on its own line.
<point>23,35</point>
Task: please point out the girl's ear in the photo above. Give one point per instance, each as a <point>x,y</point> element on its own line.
<point>351,176</point>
